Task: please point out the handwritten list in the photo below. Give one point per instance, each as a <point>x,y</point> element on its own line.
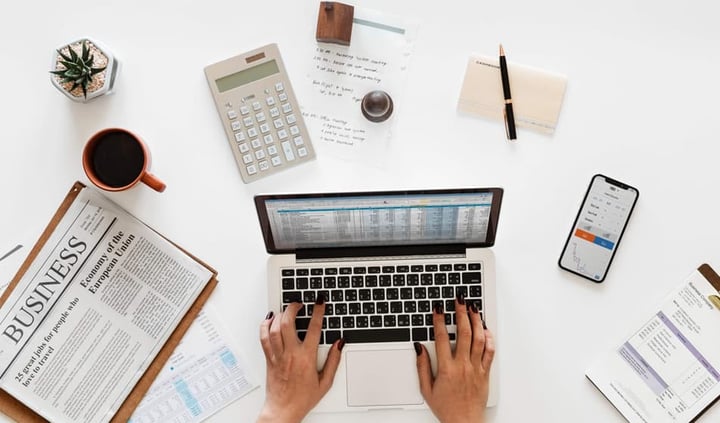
<point>339,76</point>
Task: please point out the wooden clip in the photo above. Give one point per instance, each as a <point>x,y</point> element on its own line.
<point>334,23</point>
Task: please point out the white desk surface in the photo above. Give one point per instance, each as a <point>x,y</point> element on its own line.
<point>640,106</point>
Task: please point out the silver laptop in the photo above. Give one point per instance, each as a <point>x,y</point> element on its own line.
<point>382,260</point>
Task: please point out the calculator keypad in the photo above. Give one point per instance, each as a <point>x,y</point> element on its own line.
<point>263,134</point>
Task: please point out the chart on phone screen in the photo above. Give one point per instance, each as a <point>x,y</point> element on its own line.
<point>599,227</point>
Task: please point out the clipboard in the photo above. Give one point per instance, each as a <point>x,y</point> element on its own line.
<point>606,375</point>
<point>16,410</point>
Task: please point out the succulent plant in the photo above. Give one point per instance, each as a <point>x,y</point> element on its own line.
<point>79,69</point>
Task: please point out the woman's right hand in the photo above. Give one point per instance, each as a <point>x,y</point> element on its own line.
<point>459,392</point>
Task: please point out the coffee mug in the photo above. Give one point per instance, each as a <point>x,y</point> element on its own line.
<point>115,159</point>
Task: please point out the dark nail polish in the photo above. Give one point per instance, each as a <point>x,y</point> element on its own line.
<point>269,315</point>
<point>474,308</point>
<point>461,298</point>
<point>438,308</point>
<point>320,300</point>
<point>483,321</point>
<point>341,344</point>
<point>418,348</point>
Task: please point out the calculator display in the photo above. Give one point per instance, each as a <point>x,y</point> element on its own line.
<point>247,76</point>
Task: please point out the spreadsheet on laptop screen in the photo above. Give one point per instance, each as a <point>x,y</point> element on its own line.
<point>382,220</point>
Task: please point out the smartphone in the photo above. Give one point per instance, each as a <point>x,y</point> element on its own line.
<point>598,228</point>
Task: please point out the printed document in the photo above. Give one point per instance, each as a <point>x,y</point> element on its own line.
<point>92,311</point>
<point>669,370</point>
<point>205,373</point>
<point>339,77</point>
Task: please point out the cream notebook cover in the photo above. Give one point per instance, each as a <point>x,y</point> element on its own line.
<point>537,95</point>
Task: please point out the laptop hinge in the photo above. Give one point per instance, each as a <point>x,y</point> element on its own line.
<point>393,251</point>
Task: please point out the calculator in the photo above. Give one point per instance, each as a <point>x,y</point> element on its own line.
<point>259,112</point>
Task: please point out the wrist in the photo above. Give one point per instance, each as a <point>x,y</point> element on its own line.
<point>273,415</point>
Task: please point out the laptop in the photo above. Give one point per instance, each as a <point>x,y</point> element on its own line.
<point>382,260</point>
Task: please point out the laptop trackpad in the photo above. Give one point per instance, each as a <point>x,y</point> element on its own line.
<point>382,378</point>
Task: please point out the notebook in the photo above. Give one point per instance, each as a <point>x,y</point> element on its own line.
<point>382,260</point>
<point>537,94</point>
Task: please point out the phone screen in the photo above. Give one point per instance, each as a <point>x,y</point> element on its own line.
<point>598,228</point>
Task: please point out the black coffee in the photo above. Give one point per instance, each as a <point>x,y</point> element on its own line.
<point>117,159</point>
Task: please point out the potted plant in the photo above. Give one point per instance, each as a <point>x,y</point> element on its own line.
<point>84,70</point>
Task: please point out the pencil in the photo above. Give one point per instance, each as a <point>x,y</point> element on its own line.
<point>509,115</point>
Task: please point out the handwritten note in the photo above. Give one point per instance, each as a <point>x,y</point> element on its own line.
<point>340,76</point>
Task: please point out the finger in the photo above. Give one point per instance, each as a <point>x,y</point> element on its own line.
<point>276,341</point>
<point>424,371</point>
<point>478,339</point>
<point>442,340</point>
<point>287,325</point>
<point>312,338</point>
<point>489,353</point>
<point>464,331</point>
<point>327,374</point>
<point>265,336</point>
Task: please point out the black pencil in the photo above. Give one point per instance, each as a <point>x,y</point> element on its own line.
<point>509,115</point>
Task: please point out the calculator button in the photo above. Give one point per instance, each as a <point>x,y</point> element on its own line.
<point>244,110</point>
<point>247,158</point>
<point>260,117</point>
<point>278,123</point>
<point>264,128</point>
<point>232,114</point>
<point>274,112</point>
<point>279,86</point>
<point>282,97</point>
<point>244,148</point>
<point>290,119</point>
<point>287,149</point>
<point>298,140</point>
<point>282,134</point>
<point>272,150</point>
<point>276,161</point>
<point>252,132</point>
<point>264,165</point>
<point>270,101</point>
<point>294,130</point>
<point>251,170</point>
<point>235,125</point>
<point>248,121</point>
<point>268,139</point>
<point>240,136</point>
<point>286,108</point>
<point>260,154</point>
<point>302,152</point>
<point>256,143</point>
<point>256,105</point>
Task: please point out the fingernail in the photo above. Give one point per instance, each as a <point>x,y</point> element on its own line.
<point>418,348</point>
<point>438,308</point>
<point>269,315</point>
<point>483,321</point>
<point>341,344</point>
<point>473,307</point>
<point>320,300</point>
<point>461,298</point>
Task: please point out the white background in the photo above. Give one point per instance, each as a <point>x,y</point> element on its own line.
<point>641,106</point>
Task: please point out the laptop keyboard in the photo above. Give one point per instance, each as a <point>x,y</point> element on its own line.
<point>388,303</point>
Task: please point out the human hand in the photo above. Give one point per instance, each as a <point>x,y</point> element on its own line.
<point>459,392</point>
<point>294,386</point>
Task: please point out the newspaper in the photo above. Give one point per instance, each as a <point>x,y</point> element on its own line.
<point>92,311</point>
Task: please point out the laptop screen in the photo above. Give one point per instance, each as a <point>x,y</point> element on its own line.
<point>379,219</point>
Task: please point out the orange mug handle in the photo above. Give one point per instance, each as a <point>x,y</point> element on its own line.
<point>153,182</point>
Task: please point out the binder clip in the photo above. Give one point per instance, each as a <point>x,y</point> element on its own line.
<point>334,24</point>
